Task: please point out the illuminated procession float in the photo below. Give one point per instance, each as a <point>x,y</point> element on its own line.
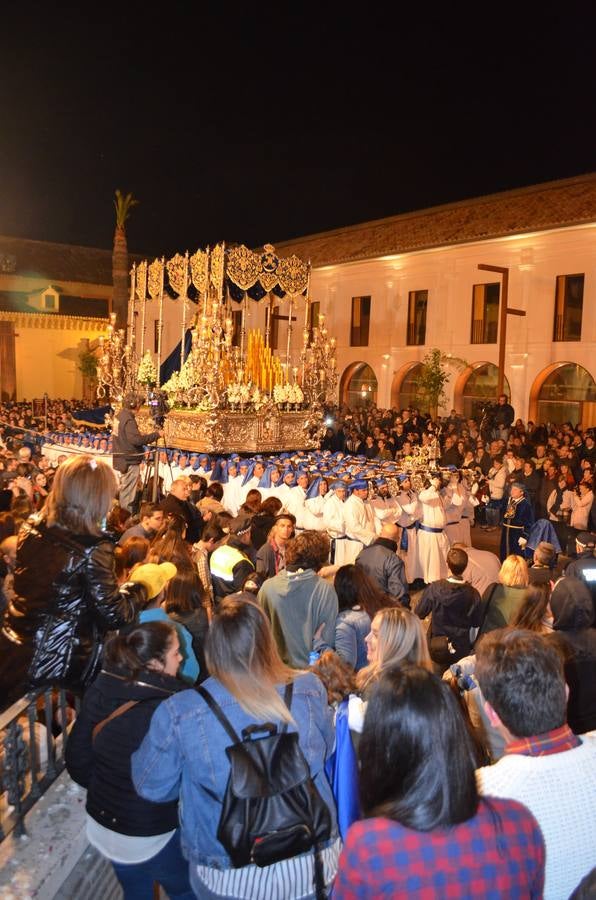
<point>230,389</point>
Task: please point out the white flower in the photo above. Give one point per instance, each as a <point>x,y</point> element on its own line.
<point>147,373</point>
<point>280,393</point>
<point>172,385</point>
<point>295,394</point>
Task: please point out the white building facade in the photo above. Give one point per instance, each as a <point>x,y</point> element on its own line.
<point>388,309</point>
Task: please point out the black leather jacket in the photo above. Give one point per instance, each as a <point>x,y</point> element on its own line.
<point>67,598</point>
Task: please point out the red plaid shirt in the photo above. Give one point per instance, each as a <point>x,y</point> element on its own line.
<point>556,741</point>
<point>497,854</point>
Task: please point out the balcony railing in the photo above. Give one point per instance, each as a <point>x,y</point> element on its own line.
<point>31,755</point>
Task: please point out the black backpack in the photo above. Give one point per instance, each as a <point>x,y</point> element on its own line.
<point>272,809</point>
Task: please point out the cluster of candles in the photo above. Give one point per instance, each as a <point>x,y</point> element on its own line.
<point>261,367</point>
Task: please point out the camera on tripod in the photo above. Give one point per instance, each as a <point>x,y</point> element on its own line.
<point>158,407</point>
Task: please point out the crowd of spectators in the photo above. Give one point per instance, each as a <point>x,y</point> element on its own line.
<point>464,713</point>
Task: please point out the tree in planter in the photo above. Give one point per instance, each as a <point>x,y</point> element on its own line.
<point>434,376</point>
<point>88,368</point>
<point>123,205</point>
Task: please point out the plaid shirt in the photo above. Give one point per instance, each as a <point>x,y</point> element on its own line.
<point>497,854</point>
<point>201,558</point>
<point>556,741</point>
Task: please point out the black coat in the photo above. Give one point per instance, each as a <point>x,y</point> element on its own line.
<point>456,607</point>
<point>128,442</point>
<point>67,598</point>
<point>573,618</point>
<point>103,765</point>
<point>184,509</point>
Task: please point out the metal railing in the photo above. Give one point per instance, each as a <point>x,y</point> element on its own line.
<point>31,755</point>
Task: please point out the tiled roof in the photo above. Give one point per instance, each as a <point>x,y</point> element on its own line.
<point>58,262</point>
<point>555,204</point>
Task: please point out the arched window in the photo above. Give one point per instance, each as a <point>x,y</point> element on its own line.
<point>480,387</point>
<point>409,392</point>
<point>562,392</point>
<point>361,386</point>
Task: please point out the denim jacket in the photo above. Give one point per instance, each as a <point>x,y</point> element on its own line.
<point>183,754</point>
<point>351,628</point>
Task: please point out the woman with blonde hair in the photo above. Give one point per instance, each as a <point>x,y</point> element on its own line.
<point>185,751</point>
<point>396,638</point>
<point>67,593</point>
<point>503,600</point>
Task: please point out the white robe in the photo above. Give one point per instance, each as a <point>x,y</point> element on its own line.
<point>411,511</point>
<point>295,505</point>
<point>482,569</point>
<point>454,508</point>
<point>231,495</point>
<point>313,512</point>
<point>345,550</point>
<point>386,509</point>
<point>360,520</point>
<point>433,546</point>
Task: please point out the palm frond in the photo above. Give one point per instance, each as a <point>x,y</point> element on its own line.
<point>123,205</point>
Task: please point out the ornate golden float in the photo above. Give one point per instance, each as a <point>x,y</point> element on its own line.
<point>229,390</point>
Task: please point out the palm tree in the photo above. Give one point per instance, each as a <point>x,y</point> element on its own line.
<point>123,205</point>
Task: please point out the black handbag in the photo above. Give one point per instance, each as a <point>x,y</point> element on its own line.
<point>272,809</point>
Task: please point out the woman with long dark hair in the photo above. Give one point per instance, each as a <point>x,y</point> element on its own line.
<point>359,600</point>
<point>426,831</point>
<point>186,602</point>
<point>141,839</point>
<point>185,751</point>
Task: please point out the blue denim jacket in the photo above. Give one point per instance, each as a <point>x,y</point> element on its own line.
<point>351,628</point>
<point>183,754</point>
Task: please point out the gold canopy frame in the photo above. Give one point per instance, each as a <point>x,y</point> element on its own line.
<point>232,392</point>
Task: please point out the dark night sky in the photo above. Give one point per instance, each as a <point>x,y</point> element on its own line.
<point>272,123</point>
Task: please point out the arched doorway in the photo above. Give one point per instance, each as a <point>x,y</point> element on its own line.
<point>559,390</point>
<point>358,385</point>
<point>477,384</point>
<point>405,391</point>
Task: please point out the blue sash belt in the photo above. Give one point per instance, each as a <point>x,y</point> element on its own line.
<point>431,530</point>
<point>403,543</point>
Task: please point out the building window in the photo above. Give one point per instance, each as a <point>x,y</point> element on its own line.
<point>360,321</point>
<point>313,318</point>
<point>156,336</point>
<point>416,335</point>
<point>569,301</point>
<point>236,327</point>
<point>485,313</point>
<point>50,301</point>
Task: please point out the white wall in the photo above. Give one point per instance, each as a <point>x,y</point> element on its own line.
<point>534,261</point>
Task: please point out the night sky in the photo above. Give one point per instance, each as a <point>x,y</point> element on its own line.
<point>272,123</point>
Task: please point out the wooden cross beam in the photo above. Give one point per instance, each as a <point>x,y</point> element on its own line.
<point>504,311</point>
